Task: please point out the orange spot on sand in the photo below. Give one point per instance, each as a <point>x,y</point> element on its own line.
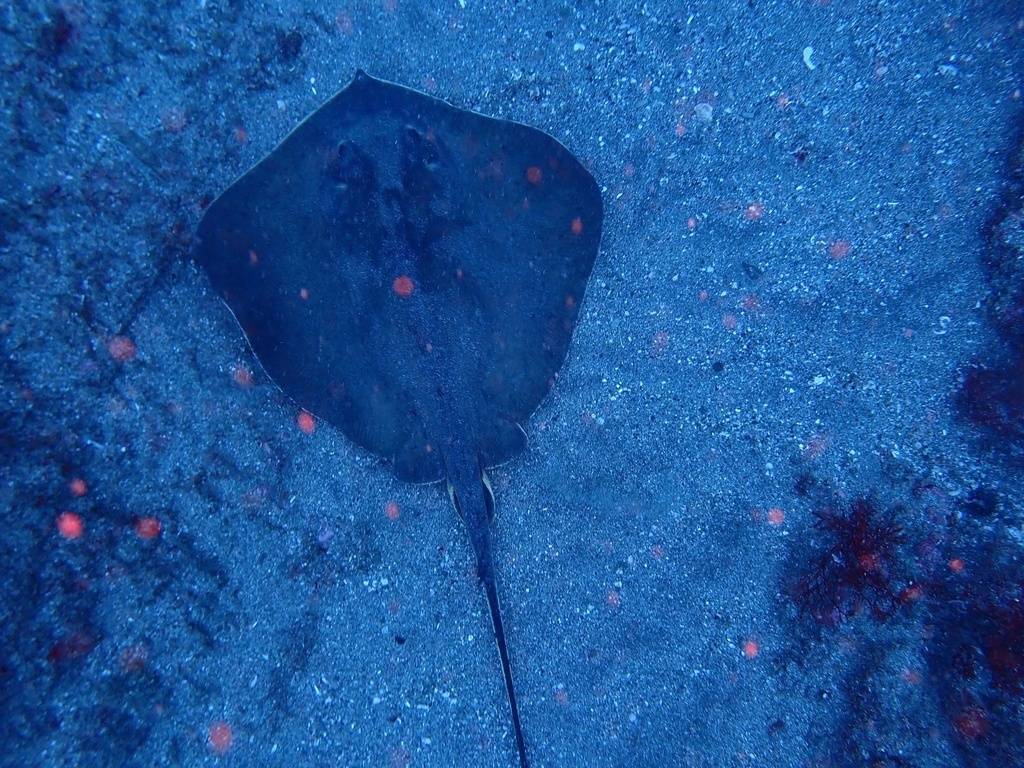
<point>220,737</point>
<point>400,757</point>
<point>702,296</point>
<point>613,599</point>
<point>839,249</point>
<point>241,135</point>
<point>751,649</point>
<point>254,258</point>
<point>776,516</point>
<point>534,175</point>
<point>303,293</point>
<point>729,321</point>
<point>392,510</point>
<point>816,447</point>
<point>910,594</point>
<point>121,348</point>
<point>147,527</point>
<point>174,120</point>
<point>70,525</point>
<point>972,723</point>
<point>561,697</point>
<point>403,286</point>
<point>657,551</point>
<point>305,421</point>
<point>577,226</point>
<point>751,303</point>
<point>78,488</point>
<point>956,565</point>
<point>754,211</point>
<point>133,658</point>
<point>242,376</point>
<point>344,23</point>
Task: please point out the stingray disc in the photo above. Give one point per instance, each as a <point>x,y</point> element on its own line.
<point>403,268</point>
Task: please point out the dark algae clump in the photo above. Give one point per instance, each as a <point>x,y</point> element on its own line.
<point>854,569</point>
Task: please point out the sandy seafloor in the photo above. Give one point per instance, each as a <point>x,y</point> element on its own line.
<point>794,277</point>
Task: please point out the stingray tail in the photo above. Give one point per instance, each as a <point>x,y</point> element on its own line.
<point>486,572</point>
<point>471,494</point>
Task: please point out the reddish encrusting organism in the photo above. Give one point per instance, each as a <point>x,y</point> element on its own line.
<point>1004,648</point>
<point>77,645</point>
<point>993,398</point>
<point>977,658</point>
<point>856,571</point>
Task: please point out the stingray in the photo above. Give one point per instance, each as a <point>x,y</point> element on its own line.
<point>411,273</point>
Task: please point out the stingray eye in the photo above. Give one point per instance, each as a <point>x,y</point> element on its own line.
<point>344,152</point>
<point>411,137</point>
<point>420,147</point>
<point>341,163</point>
<point>351,167</point>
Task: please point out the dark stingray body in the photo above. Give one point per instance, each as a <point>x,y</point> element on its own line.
<point>411,273</point>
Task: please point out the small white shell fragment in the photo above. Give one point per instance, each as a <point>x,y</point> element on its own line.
<point>808,52</point>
